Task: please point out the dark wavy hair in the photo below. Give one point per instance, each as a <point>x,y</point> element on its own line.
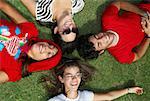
<point>67,47</point>
<point>86,70</point>
<point>26,60</point>
<point>85,48</point>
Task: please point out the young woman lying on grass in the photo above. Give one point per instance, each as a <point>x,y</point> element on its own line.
<point>73,73</point>
<point>21,51</point>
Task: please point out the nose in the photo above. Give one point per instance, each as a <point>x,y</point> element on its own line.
<point>74,77</point>
<point>46,49</point>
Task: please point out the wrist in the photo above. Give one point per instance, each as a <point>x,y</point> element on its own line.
<point>129,90</point>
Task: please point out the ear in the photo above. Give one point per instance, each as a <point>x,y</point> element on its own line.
<point>102,51</point>
<point>55,30</point>
<point>60,79</point>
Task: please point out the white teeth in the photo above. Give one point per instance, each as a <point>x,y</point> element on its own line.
<point>73,84</point>
<point>40,48</point>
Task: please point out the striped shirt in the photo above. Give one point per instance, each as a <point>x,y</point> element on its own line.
<point>44,9</point>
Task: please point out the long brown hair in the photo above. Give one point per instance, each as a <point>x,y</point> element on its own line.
<point>25,59</point>
<point>86,70</point>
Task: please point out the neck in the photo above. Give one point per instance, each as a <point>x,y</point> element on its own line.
<point>71,94</point>
<point>63,15</point>
<point>115,39</point>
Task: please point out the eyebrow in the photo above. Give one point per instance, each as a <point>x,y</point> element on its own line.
<point>71,74</point>
<point>95,37</point>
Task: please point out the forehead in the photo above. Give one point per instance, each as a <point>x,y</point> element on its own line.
<point>92,39</point>
<point>72,70</point>
<point>42,43</point>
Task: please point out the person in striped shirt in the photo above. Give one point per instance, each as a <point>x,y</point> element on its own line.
<point>61,13</point>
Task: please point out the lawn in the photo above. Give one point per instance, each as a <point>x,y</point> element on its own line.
<point>110,74</point>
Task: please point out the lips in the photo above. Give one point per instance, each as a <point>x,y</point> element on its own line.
<point>74,84</point>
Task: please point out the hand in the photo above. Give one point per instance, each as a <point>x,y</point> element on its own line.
<point>136,90</point>
<point>146,24</point>
<point>144,14</point>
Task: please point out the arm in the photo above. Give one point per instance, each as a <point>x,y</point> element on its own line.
<point>11,12</point>
<point>30,5</point>
<point>145,43</point>
<point>118,93</point>
<point>129,7</point>
<point>3,77</point>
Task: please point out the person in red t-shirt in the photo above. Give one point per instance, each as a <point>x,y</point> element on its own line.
<point>121,33</point>
<point>20,49</point>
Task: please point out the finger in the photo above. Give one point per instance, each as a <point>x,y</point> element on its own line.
<point>139,91</point>
<point>148,22</point>
<point>143,25</point>
<point>148,14</point>
<point>143,18</point>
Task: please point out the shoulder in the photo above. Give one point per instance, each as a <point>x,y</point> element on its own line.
<point>30,28</point>
<point>85,94</point>
<point>59,97</point>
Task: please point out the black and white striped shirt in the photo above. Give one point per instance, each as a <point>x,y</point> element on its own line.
<point>44,9</point>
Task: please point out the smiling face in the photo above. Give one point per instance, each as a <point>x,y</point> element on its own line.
<point>67,32</point>
<point>65,28</point>
<point>71,78</point>
<point>42,50</point>
<point>101,41</point>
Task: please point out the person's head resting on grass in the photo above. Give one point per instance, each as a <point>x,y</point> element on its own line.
<point>68,78</point>
<point>70,75</point>
<point>91,46</point>
<point>66,39</point>
<point>38,53</point>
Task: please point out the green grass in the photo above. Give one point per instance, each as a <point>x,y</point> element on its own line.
<point>110,74</point>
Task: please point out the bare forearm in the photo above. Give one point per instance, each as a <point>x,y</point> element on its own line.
<point>111,95</point>
<point>11,12</point>
<point>129,7</point>
<point>141,50</point>
<point>118,93</point>
<point>3,77</point>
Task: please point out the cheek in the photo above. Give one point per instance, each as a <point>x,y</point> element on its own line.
<point>40,57</point>
<point>34,49</point>
<point>67,83</point>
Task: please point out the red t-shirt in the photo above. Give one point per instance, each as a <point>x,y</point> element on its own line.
<point>10,35</point>
<point>128,27</point>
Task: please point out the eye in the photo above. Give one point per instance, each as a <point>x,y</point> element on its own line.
<point>69,76</point>
<point>79,74</point>
<point>96,36</point>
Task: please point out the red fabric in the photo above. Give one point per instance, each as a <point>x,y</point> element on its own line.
<point>7,63</point>
<point>128,27</point>
<point>11,66</point>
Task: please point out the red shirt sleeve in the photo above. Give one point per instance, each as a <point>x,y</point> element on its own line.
<point>10,66</point>
<point>110,15</point>
<point>125,58</point>
<point>13,75</point>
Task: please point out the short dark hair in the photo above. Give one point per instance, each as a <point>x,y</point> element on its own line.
<point>85,48</point>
